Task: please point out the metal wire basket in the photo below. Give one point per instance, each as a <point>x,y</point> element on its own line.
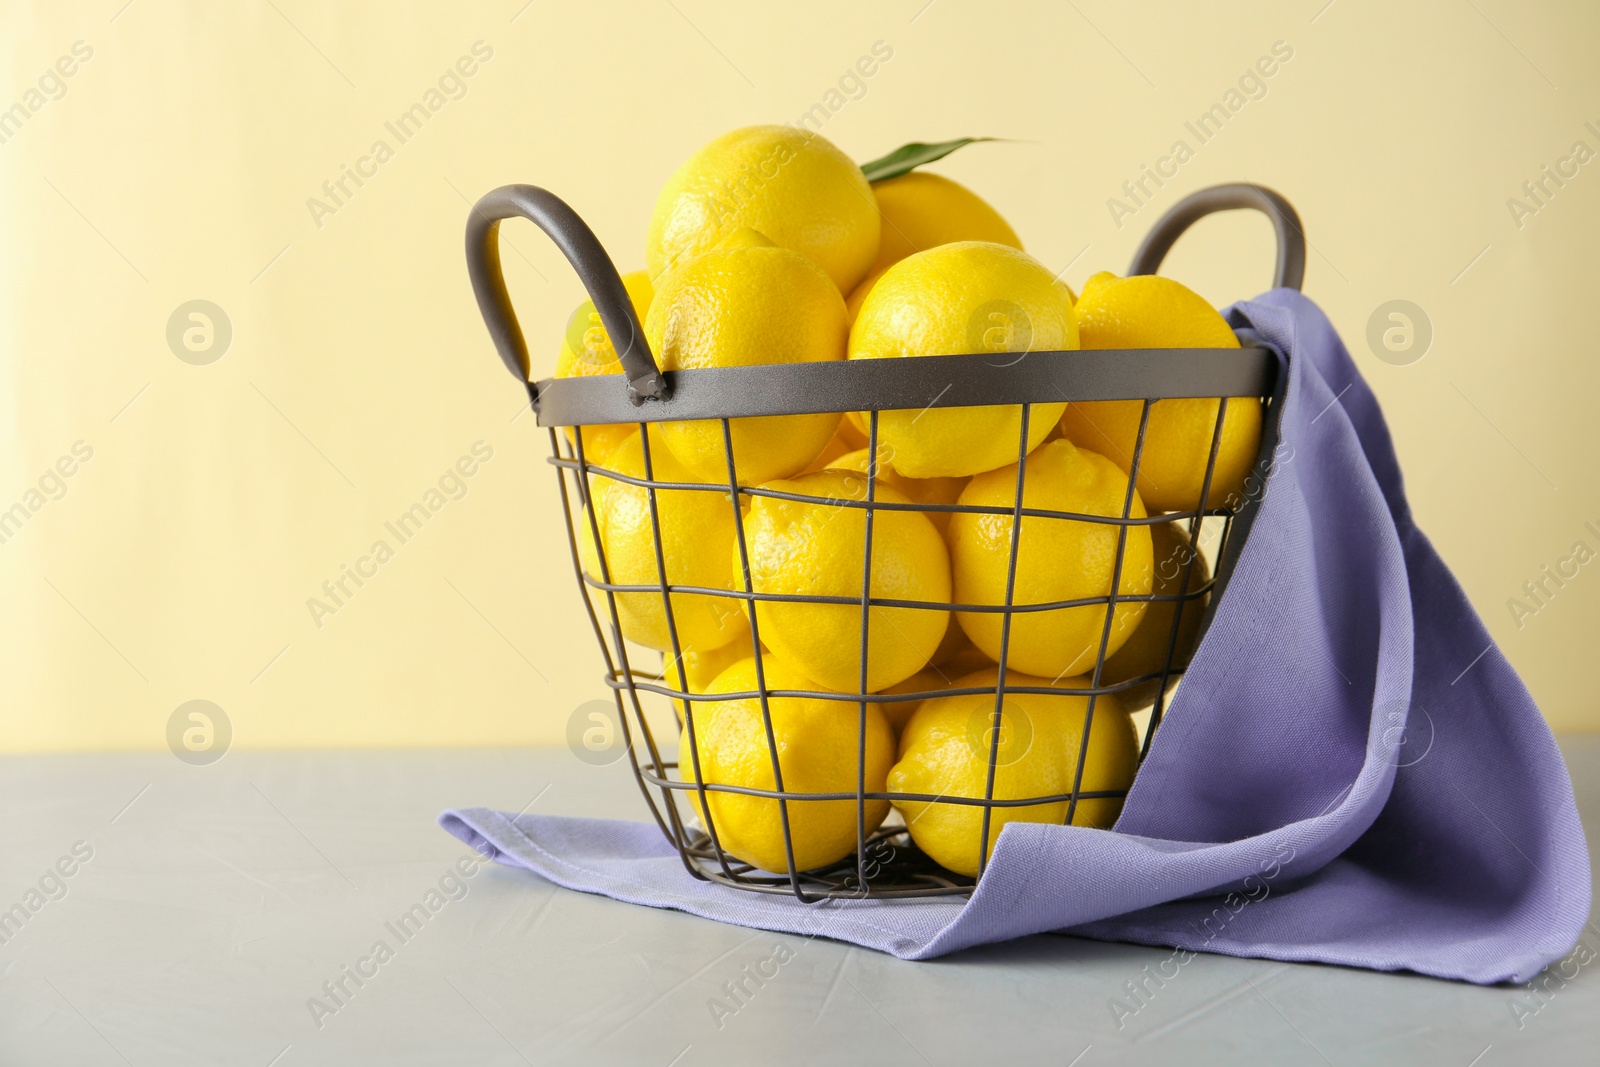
<point>884,862</point>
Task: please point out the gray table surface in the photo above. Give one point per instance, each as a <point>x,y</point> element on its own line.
<point>219,899</point>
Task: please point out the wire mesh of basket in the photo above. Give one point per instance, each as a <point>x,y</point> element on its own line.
<point>690,799</point>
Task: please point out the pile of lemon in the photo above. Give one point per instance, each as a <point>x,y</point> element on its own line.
<point>769,245</point>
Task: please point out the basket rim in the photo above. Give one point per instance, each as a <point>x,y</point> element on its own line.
<point>912,383</point>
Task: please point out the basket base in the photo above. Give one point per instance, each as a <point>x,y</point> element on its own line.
<point>892,863</point>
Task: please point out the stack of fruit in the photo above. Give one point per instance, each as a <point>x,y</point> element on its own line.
<point>769,245</point>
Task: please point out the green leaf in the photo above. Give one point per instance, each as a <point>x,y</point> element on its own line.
<point>908,157</point>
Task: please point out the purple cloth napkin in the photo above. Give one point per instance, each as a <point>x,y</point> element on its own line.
<point>1351,772</point>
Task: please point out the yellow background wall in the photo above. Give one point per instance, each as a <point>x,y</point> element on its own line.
<point>178,160</point>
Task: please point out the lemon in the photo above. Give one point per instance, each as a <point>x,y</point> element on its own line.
<point>586,350</point>
<point>819,549</point>
<point>965,297</point>
<point>1146,649</point>
<point>745,237</point>
<point>1149,311</point>
<point>858,295</point>
<point>836,447</point>
<point>945,751</point>
<point>737,307</point>
<point>857,460</point>
<point>586,347</point>
<point>955,658</point>
<point>921,210</point>
<point>899,712</point>
<point>697,539</point>
<point>846,439</point>
<point>1057,559</point>
<point>957,655</point>
<point>852,435</point>
<point>917,490</point>
<point>817,742</point>
<point>791,185</point>
<point>697,668</point>
<point>602,440</point>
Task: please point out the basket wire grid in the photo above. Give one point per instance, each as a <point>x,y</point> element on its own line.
<point>885,862</point>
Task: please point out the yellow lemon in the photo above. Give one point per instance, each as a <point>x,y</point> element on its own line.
<point>917,490</point>
<point>1146,649</point>
<point>745,237</point>
<point>1149,311</point>
<point>791,185</point>
<point>838,445</point>
<point>957,655</point>
<point>858,295</point>
<point>817,742</point>
<point>921,210</point>
<point>697,668</point>
<point>600,441</point>
<point>697,540</point>
<point>738,307</point>
<point>1057,559</point>
<point>930,679</point>
<point>945,751</point>
<point>586,347</point>
<point>819,549</point>
<point>959,298</point>
<point>852,435</point>
<point>954,659</point>
<point>586,350</point>
<point>846,439</point>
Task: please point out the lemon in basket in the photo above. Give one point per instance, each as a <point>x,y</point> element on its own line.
<point>817,742</point>
<point>797,188</point>
<point>957,656</point>
<point>929,679</point>
<point>697,536</point>
<point>586,347</point>
<point>858,295</point>
<point>1149,311</point>
<point>920,211</point>
<point>696,668</point>
<point>586,350</point>
<point>818,548</point>
<point>1057,560</point>
<point>966,297</point>
<point>954,659</point>
<point>945,751</point>
<point>846,439</point>
<point>737,306</point>
<point>1146,650</point>
<point>837,446</point>
<point>917,490</point>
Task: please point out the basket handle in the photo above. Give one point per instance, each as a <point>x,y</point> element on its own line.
<point>588,258</point>
<point>1291,267</point>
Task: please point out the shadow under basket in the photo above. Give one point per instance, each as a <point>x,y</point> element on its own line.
<point>884,862</point>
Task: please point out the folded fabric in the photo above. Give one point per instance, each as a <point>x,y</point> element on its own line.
<point>1351,772</point>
